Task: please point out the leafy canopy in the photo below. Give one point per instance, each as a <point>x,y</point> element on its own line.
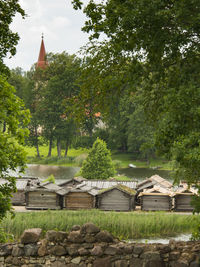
<point>13,116</point>
<point>159,43</point>
<point>98,164</point>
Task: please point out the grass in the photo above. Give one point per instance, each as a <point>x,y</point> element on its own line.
<point>130,225</point>
<point>127,158</point>
<point>70,160</point>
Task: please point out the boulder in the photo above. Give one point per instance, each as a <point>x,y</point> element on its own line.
<point>31,235</point>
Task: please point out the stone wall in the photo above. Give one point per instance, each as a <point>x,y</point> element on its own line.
<point>88,246</point>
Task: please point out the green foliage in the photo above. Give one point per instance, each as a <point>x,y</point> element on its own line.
<point>50,178</point>
<point>151,47</point>
<point>98,164</point>
<point>5,237</point>
<point>8,38</point>
<point>13,117</point>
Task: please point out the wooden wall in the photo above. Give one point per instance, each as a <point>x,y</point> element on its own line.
<point>42,200</point>
<point>115,200</point>
<point>155,202</point>
<point>18,198</point>
<point>182,203</point>
<point>79,200</point>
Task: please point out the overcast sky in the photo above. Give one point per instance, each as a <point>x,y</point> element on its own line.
<point>59,22</point>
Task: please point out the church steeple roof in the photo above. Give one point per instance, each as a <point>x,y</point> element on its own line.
<point>42,63</point>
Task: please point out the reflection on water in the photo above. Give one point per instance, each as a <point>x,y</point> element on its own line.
<point>143,173</point>
<point>43,171</point>
<point>182,237</point>
<point>61,172</point>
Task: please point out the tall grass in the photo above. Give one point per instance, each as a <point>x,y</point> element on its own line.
<point>128,225</point>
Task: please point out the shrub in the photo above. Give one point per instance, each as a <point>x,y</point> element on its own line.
<point>79,159</point>
<point>98,164</point>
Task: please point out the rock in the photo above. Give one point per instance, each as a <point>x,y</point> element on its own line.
<point>58,264</point>
<point>136,262</point>
<point>5,250</point>
<point>76,228</point>
<point>102,262</point>
<point>75,237</point>
<point>58,250</point>
<point>111,250</point>
<point>76,260</point>
<point>31,235</point>
<point>97,251</point>
<point>42,251</point>
<point>17,252</point>
<point>16,261</point>
<point>138,249</point>
<point>151,255</point>
<point>89,238</point>
<point>104,236</point>
<point>30,250</point>
<point>83,252</point>
<point>89,228</point>
<point>73,250</point>
<point>127,249</point>
<point>56,236</point>
<point>174,255</point>
<point>121,263</point>
<point>154,263</point>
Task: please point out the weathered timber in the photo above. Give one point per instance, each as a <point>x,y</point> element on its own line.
<point>118,198</point>
<point>79,200</point>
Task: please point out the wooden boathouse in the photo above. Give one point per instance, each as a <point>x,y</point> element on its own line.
<point>118,198</point>
<point>156,198</point>
<point>183,197</point>
<point>45,196</point>
<point>80,199</point>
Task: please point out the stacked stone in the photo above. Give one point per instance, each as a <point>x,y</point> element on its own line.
<point>88,246</point>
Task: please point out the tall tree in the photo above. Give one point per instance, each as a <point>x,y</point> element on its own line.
<point>161,41</point>
<point>8,39</point>
<point>13,117</point>
<point>60,86</point>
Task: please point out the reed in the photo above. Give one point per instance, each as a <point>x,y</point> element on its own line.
<point>130,225</point>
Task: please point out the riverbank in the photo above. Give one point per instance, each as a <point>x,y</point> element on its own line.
<point>75,157</point>
<point>130,225</point>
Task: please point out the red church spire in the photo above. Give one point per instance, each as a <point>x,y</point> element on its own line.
<point>42,63</point>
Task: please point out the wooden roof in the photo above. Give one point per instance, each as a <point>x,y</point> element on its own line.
<point>156,190</point>
<point>119,187</point>
<point>186,190</point>
<point>48,186</point>
<point>154,180</point>
<point>103,184</point>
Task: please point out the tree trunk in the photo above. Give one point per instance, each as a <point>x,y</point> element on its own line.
<point>36,143</point>
<point>58,148</point>
<point>4,127</point>
<point>50,147</point>
<point>66,148</point>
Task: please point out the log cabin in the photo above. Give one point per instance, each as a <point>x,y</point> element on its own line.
<point>156,198</point>
<point>118,198</point>
<point>183,197</point>
<point>80,199</point>
<point>45,196</point>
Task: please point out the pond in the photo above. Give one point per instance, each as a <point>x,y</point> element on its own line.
<point>181,237</point>
<point>61,172</point>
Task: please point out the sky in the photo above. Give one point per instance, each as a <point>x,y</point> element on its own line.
<point>57,20</point>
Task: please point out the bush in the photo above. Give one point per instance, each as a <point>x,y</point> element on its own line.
<point>80,159</point>
<point>98,164</point>
<point>117,163</point>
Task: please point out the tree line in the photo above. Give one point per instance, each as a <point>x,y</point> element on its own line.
<point>60,118</point>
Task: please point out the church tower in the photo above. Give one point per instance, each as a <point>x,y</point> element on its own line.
<point>42,62</point>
